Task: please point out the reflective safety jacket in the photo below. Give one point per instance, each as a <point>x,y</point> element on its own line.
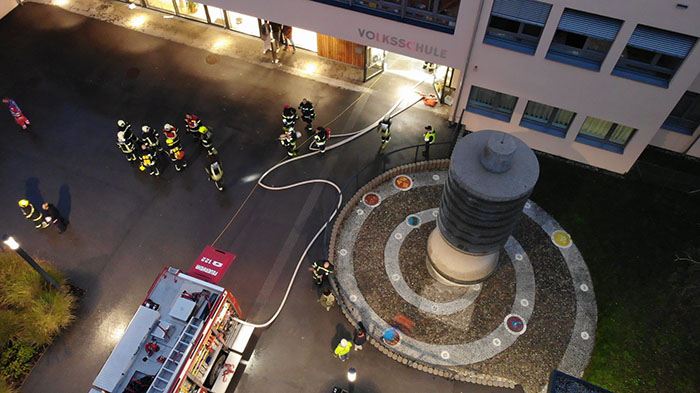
<point>150,138</point>
<point>343,350</point>
<point>307,111</point>
<point>30,213</point>
<point>124,144</point>
<point>321,137</point>
<point>429,136</point>
<point>193,124</point>
<point>384,130</point>
<point>289,117</point>
<point>215,171</point>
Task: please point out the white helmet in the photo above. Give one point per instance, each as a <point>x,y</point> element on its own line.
<point>343,343</point>
<point>167,127</point>
<point>146,129</point>
<point>120,136</point>
<point>121,123</point>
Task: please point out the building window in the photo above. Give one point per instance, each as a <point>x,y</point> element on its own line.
<point>438,15</point>
<point>653,55</point>
<point>605,134</point>
<point>583,39</point>
<point>547,118</point>
<point>685,117</point>
<point>491,103</point>
<point>517,24</point>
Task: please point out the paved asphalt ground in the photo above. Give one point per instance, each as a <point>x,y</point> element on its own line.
<point>74,77</point>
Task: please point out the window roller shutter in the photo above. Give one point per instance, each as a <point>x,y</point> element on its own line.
<point>662,41</point>
<point>589,24</point>
<point>527,11</point>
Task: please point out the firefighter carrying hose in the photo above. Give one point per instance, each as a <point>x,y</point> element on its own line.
<point>30,213</point>
<point>320,270</point>
<point>307,114</point>
<point>289,143</point>
<point>214,169</point>
<point>384,129</point>
<point>320,137</point>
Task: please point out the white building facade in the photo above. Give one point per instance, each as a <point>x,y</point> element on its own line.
<point>593,82</point>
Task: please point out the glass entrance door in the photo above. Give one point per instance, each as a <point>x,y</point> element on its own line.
<point>375,60</point>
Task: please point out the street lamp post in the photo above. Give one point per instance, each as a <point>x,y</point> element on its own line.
<point>352,377</point>
<point>12,243</point>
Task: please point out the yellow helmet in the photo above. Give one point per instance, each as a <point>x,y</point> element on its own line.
<point>23,203</point>
<point>169,141</point>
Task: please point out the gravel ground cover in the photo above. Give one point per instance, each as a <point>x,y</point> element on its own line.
<point>531,358</point>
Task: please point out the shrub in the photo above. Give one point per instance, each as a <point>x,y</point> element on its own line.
<point>15,361</point>
<point>6,388</point>
<point>50,312</point>
<point>8,326</point>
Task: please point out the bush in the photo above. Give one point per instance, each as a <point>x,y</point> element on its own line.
<point>15,361</point>
<point>6,388</point>
<point>8,326</point>
<point>46,316</point>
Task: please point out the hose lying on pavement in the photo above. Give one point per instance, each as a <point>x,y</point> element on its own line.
<point>351,137</point>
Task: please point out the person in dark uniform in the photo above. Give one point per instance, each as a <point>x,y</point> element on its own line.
<point>289,117</point>
<point>192,124</point>
<point>150,138</point>
<point>289,143</point>
<point>54,217</point>
<point>384,129</point>
<point>214,169</point>
<point>320,270</point>
<point>30,213</point>
<point>307,114</point>
<point>320,138</point>
<point>149,160</point>
<point>205,136</point>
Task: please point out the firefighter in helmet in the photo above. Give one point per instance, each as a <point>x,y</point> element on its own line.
<point>170,132</point>
<point>320,137</point>
<point>205,136</point>
<point>149,160</point>
<point>307,114</point>
<point>192,124</point>
<point>214,169</point>
<point>429,139</point>
<point>384,129</point>
<point>127,146</point>
<point>289,143</point>
<point>320,270</point>
<point>289,117</point>
<point>150,138</point>
<point>30,213</point>
<point>176,154</point>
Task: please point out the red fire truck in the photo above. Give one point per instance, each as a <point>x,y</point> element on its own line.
<point>183,338</point>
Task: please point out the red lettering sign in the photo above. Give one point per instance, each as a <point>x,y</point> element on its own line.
<point>211,264</point>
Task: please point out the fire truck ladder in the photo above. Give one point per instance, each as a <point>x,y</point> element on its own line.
<point>162,381</point>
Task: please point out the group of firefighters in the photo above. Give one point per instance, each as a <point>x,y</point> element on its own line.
<point>289,136</point>
<point>146,148</point>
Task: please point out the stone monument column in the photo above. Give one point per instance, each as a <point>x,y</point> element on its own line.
<point>491,176</point>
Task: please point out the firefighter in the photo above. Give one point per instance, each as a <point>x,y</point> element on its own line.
<point>289,117</point>
<point>149,160</point>
<point>170,132</point>
<point>126,128</point>
<point>16,113</point>
<point>289,143</point>
<point>192,124</point>
<point>127,146</point>
<point>320,270</point>
<point>150,138</point>
<point>384,129</point>
<point>307,114</point>
<point>214,169</point>
<point>30,213</point>
<point>430,67</point>
<point>320,138</point>
<point>205,137</point>
<point>429,139</point>
<point>175,152</point>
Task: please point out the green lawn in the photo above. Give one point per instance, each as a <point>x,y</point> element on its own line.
<point>629,232</point>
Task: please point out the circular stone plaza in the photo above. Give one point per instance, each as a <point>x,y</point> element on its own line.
<point>534,314</point>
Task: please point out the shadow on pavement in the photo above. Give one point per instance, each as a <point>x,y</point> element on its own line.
<point>64,202</point>
<point>32,193</point>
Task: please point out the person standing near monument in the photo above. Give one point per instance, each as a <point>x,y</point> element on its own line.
<point>327,299</point>
<point>343,349</point>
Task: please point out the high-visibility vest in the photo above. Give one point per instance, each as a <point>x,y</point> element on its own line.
<point>429,136</point>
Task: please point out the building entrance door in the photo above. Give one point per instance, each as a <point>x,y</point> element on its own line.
<point>375,61</point>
